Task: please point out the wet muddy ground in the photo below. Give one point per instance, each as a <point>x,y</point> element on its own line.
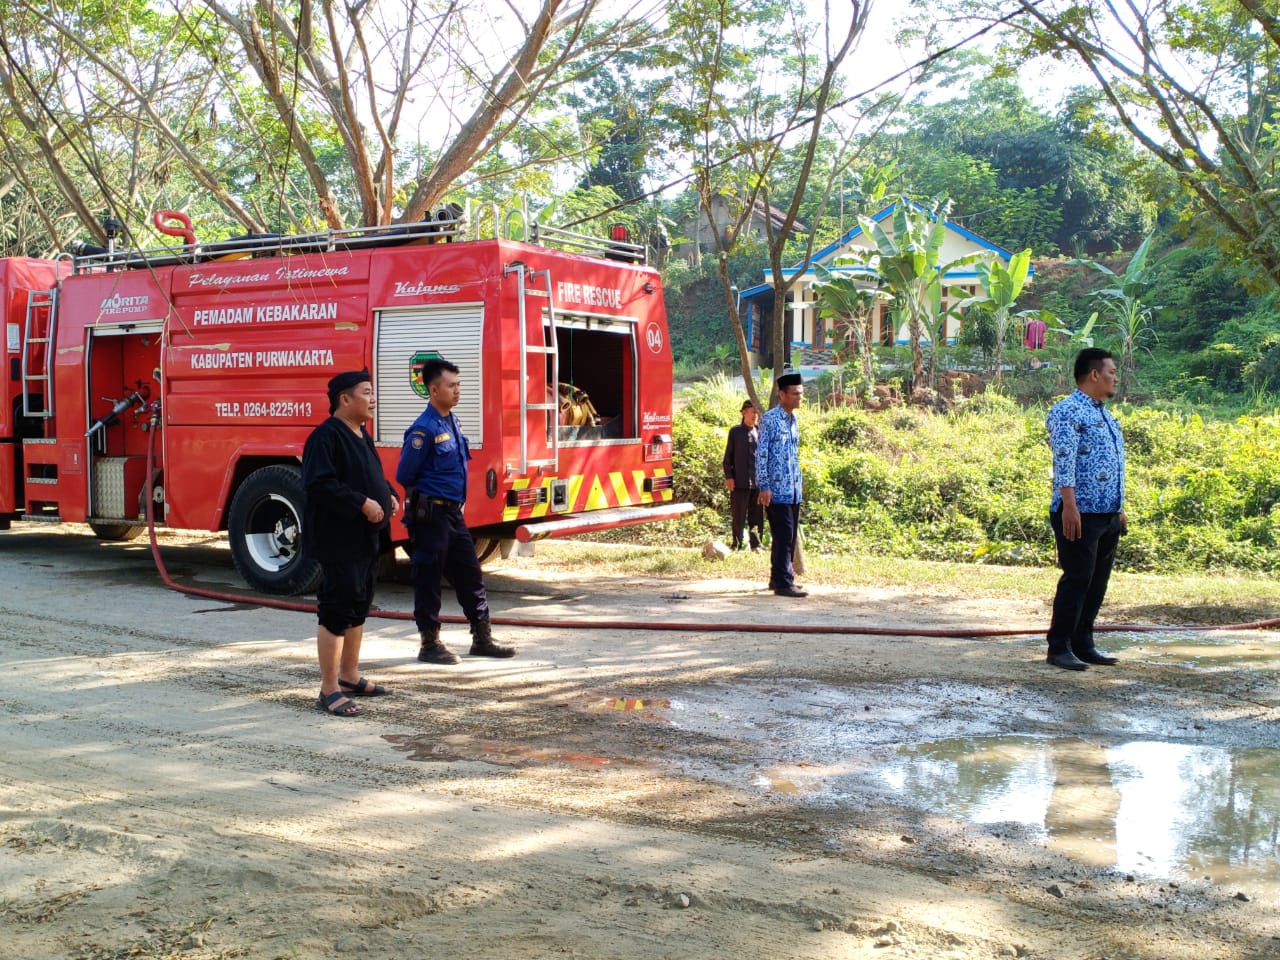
<point>1150,792</point>
<point>1001,804</point>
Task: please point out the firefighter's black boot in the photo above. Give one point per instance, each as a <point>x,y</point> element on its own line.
<point>433,650</point>
<point>483,644</point>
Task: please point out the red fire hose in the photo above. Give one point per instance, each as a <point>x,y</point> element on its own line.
<point>851,629</point>
<point>161,220</point>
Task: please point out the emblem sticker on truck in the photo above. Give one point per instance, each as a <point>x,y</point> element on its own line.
<point>415,371</point>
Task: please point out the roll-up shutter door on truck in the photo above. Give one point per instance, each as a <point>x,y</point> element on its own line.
<point>452,330</point>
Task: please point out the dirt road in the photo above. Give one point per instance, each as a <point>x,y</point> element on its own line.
<point>171,790</point>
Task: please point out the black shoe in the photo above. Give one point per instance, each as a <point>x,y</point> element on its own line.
<point>791,592</point>
<point>434,651</point>
<point>1100,657</point>
<point>490,648</point>
<point>483,644</point>
<point>1067,661</point>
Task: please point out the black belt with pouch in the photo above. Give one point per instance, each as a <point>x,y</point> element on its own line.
<point>421,508</point>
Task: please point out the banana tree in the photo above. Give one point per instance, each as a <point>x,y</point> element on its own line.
<point>908,262</point>
<point>1126,311</point>
<point>1066,342</point>
<point>1001,287</point>
<point>723,355</point>
<point>851,304</point>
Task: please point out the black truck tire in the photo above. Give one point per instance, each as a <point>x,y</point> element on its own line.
<point>265,530</point>
<point>117,531</point>
<point>487,549</point>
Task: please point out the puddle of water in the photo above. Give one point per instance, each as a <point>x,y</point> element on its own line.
<point>1206,805</point>
<point>818,744</point>
<point>641,705</point>
<point>791,781</point>
<point>1148,808</point>
<point>812,722</point>
<point>990,756</point>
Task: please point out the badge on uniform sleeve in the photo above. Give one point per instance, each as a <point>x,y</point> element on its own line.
<point>444,437</point>
<point>416,440</point>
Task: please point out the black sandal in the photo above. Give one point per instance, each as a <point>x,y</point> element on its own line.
<point>364,688</point>
<point>328,705</point>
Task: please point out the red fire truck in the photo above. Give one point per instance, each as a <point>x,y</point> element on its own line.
<point>224,351</point>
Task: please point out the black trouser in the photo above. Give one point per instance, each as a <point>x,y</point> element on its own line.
<point>1086,569</point>
<point>784,521</point>
<point>443,547</point>
<point>746,512</point>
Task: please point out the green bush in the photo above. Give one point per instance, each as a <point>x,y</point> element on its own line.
<point>698,461</point>
<point>715,401</point>
<point>1263,371</point>
<point>1221,364</point>
<point>861,477</point>
<point>974,485</point>
<point>846,427</point>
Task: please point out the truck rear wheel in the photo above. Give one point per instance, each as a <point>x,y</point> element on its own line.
<point>117,531</point>
<point>487,548</point>
<point>265,529</point>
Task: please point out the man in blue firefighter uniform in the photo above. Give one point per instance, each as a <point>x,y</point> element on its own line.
<point>433,472</point>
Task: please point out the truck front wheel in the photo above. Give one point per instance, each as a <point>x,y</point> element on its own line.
<point>265,529</point>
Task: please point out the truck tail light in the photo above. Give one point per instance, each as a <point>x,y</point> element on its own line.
<point>654,484</point>
<point>526,497</point>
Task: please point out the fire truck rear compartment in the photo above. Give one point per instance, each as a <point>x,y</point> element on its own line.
<point>598,359</point>
<point>122,364</point>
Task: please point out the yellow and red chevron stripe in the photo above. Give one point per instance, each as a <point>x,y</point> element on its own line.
<point>586,492</point>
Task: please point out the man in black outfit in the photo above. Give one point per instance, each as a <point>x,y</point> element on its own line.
<point>740,479</point>
<point>346,523</point>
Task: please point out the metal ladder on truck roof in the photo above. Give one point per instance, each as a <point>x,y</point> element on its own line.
<point>551,408</point>
<point>37,365</point>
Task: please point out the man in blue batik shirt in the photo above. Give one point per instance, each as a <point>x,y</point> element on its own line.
<point>778,477</point>
<point>1087,512</point>
<point>433,471</point>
